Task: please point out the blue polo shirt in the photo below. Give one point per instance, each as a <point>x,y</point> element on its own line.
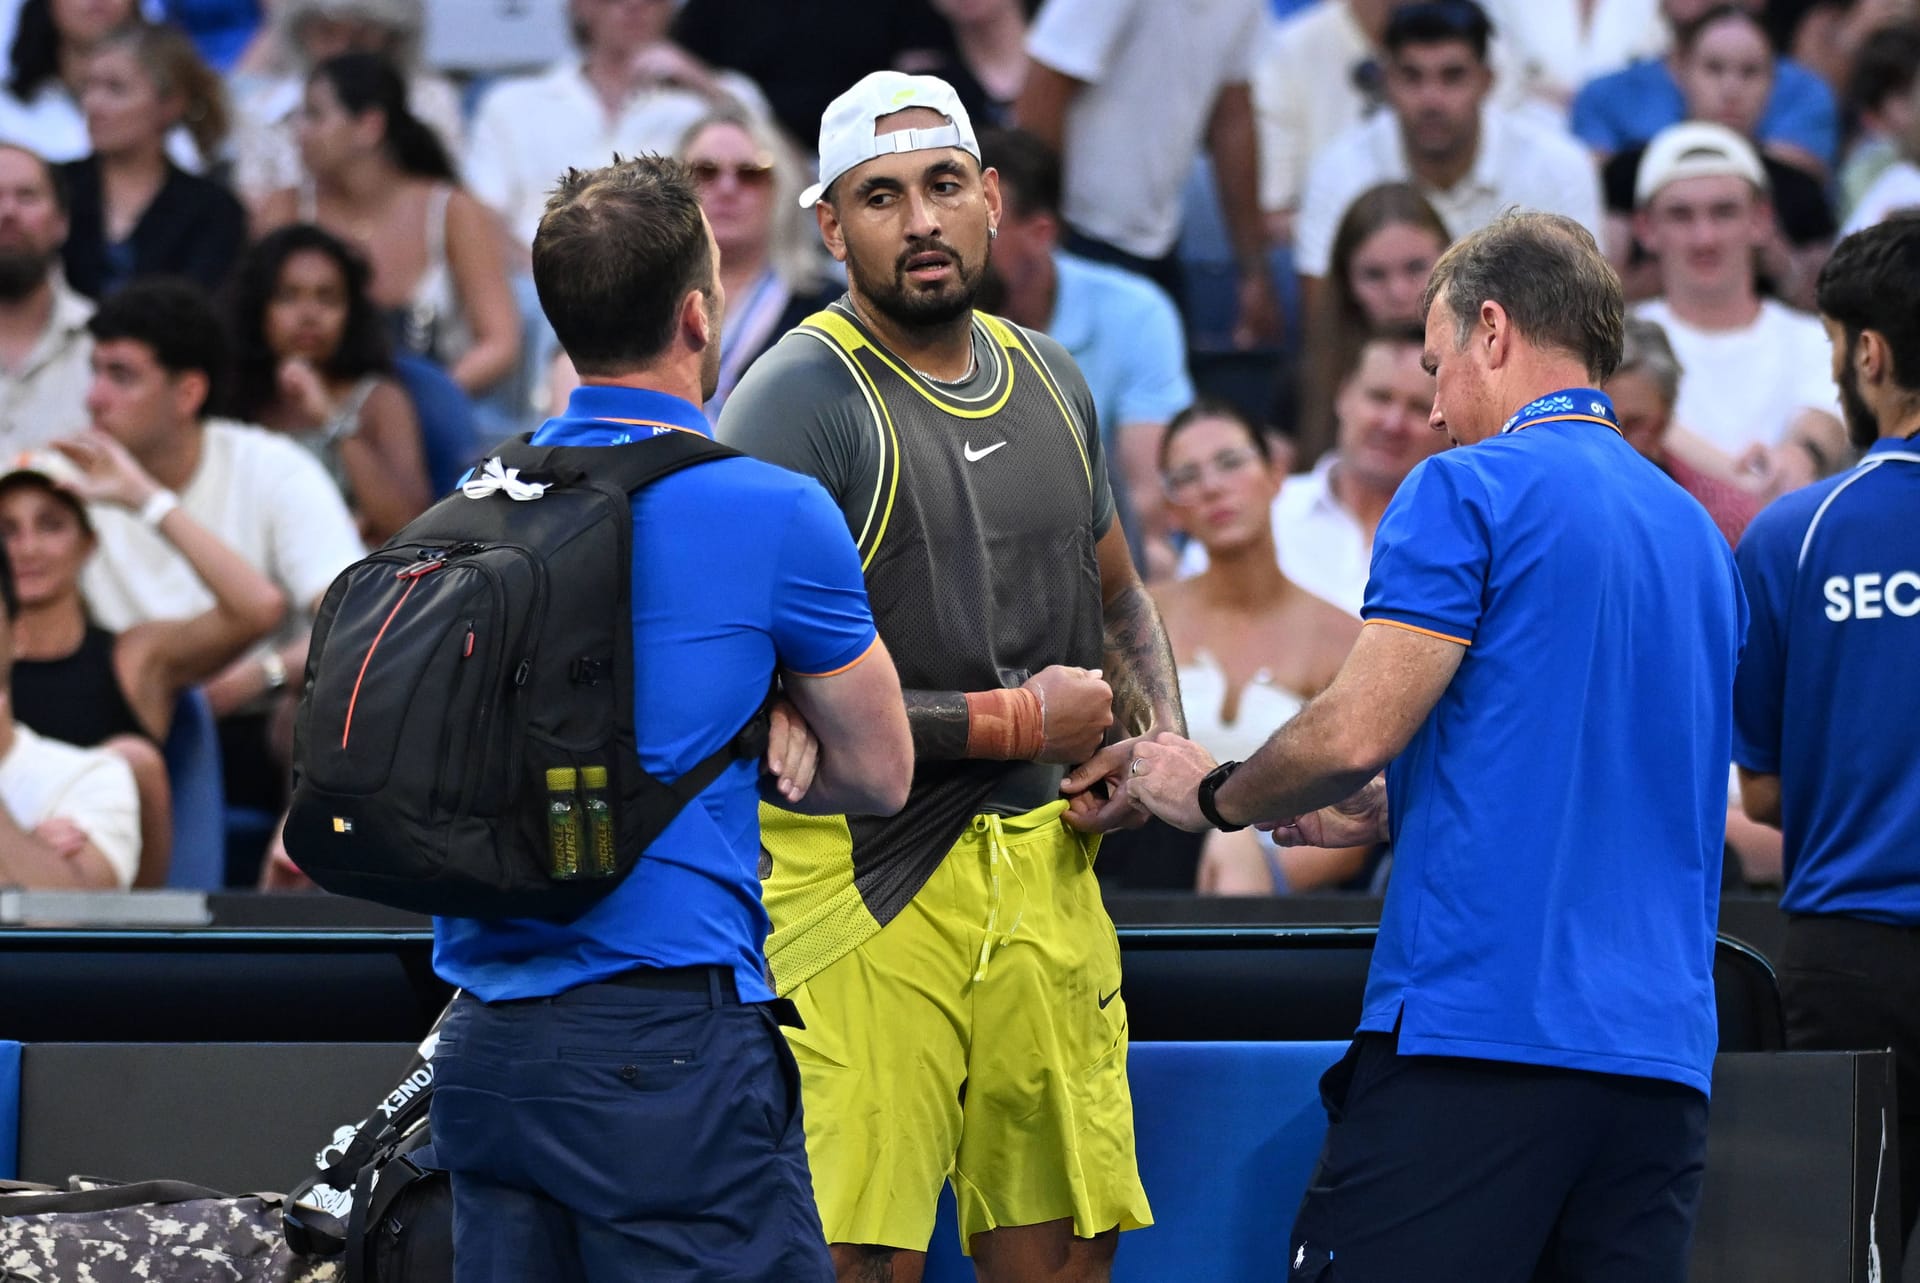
<point>739,567</point>
<point>1559,816</point>
<point>1829,692</point>
<point>1629,106</point>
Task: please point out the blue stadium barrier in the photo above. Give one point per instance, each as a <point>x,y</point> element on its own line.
<point>1227,1134</point>
<point>9,1110</point>
<point>199,797</point>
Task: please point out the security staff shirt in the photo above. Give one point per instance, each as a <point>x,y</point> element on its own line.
<point>1829,692</point>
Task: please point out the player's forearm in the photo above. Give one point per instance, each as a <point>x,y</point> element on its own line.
<point>938,721</point>
<point>1007,725</point>
<point>1139,666</point>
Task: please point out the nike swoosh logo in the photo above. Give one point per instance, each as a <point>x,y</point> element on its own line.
<point>974,456</point>
<point>1109,998</point>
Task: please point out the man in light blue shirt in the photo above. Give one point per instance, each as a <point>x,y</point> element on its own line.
<point>1528,1089</point>
<point>1829,691</point>
<point>1121,330</point>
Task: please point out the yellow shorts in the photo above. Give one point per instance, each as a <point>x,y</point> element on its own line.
<point>981,1038</point>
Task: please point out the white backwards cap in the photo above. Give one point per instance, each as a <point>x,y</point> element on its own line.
<point>847,138</point>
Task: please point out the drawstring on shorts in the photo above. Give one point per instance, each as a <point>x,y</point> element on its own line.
<point>999,861</point>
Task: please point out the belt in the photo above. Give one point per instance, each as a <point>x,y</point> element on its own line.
<point>716,981</point>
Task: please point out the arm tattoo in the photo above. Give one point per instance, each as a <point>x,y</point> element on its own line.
<point>938,721</point>
<point>873,1265</point>
<point>1139,666</point>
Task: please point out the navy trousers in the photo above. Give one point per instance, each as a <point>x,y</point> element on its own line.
<point>1451,1170</point>
<point>612,1133</point>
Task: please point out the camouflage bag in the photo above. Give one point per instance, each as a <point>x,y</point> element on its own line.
<point>149,1230</point>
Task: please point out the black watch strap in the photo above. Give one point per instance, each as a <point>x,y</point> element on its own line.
<point>1209,785</point>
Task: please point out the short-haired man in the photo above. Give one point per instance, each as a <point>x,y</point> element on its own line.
<point>1318,75</point>
<point>1800,124</point>
<point>954,966</point>
<point>1119,328</point>
<point>69,816</point>
<point>1527,1094</point>
<point>1324,520</point>
<point>159,352</point>
<point>44,345</point>
<point>1755,370</point>
<point>1469,159</point>
<point>1828,697</point>
<point>613,1096</point>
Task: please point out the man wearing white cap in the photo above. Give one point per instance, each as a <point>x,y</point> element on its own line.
<point>957,974</point>
<point>1757,372</point>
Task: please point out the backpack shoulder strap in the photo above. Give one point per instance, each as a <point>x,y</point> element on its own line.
<point>626,467</point>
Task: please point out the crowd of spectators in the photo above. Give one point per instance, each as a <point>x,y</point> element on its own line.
<point>271,276</point>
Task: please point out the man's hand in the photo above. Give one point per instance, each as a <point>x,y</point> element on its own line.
<point>792,753</point>
<point>1097,800</point>
<point>1165,776</point>
<point>1076,708</point>
<point>106,472</point>
<point>1359,820</point>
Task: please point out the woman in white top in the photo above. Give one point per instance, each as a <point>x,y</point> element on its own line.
<point>1251,646</point>
<point>380,180</point>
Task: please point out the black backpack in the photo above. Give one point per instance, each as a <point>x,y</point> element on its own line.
<point>486,646</point>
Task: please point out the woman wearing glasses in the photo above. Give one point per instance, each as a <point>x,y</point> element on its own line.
<point>770,265</point>
<point>1252,646</point>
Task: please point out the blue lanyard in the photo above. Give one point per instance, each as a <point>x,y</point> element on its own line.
<point>1580,405</point>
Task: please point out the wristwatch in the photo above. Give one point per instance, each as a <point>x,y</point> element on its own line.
<point>1209,785</point>
<point>274,669</point>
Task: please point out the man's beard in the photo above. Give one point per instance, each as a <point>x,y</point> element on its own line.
<point>1863,425</point>
<point>22,272</point>
<point>917,309</point>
